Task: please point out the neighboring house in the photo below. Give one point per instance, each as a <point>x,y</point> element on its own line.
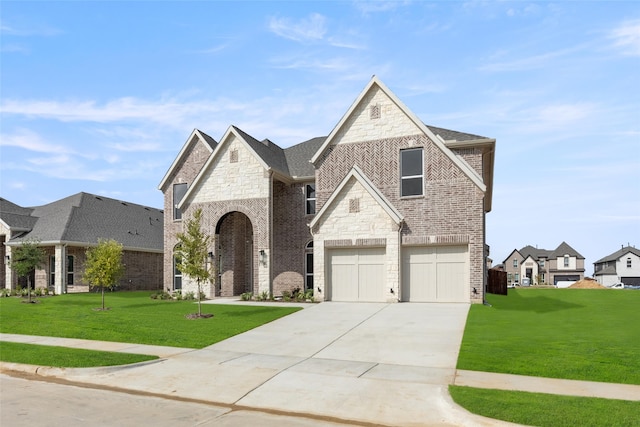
<point>621,266</point>
<point>68,227</point>
<point>542,266</point>
<point>384,208</point>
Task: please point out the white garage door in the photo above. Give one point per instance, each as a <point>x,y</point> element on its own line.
<point>435,274</point>
<point>357,274</point>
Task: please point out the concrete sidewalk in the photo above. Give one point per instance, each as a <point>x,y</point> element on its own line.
<point>387,364</point>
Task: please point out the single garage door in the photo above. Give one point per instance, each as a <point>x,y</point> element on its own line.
<point>357,274</point>
<point>435,274</point>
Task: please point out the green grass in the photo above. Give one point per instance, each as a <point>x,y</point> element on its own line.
<point>537,409</point>
<point>63,357</point>
<point>582,334</point>
<point>133,318</point>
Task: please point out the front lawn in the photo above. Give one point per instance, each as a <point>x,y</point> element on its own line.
<point>581,334</point>
<point>64,357</point>
<point>133,318</point>
<point>537,409</point>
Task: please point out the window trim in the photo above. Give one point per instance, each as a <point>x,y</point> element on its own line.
<point>176,273</point>
<point>629,262</point>
<point>71,262</point>
<point>566,261</point>
<point>408,177</point>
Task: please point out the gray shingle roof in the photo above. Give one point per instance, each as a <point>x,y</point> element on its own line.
<point>212,142</point>
<point>85,218</point>
<point>449,135</point>
<point>16,217</point>
<point>565,249</point>
<point>535,253</point>
<point>292,161</point>
<point>618,254</point>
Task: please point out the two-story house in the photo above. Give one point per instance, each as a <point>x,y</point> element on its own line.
<point>621,266</point>
<point>542,266</point>
<point>384,208</point>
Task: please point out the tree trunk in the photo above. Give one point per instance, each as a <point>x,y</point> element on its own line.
<point>199,298</point>
<point>29,287</point>
<point>102,298</point>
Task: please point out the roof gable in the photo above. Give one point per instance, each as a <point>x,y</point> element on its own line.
<point>619,254</point>
<point>376,85</point>
<point>564,249</point>
<point>357,174</point>
<point>232,134</point>
<point>196,136</point>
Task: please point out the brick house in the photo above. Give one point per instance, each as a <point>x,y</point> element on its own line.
<point>66,228</point>
<point>384,208</point>
<point>542,266</point>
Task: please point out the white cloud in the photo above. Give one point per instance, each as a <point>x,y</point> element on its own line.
<point>308,29</point>
<point>529,62</point>
<point>626,37</point>
<point>368,6</point>
<point>29,140</point>
<point>23,31</point>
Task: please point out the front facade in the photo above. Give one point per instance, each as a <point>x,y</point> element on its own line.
<point>622,266</point>
<point>542,266</point>
<point>66,228</point>
<point>384,208</point>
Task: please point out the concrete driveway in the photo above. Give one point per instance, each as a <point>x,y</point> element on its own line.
<point>366,362</point>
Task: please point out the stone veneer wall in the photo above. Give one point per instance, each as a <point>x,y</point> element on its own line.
<point>451,210</point>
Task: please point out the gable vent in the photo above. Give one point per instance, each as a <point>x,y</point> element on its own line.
<point>354,205</point>
<point>374,111</point>
<point>233,156</point>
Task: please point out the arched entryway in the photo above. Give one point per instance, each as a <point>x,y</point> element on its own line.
<point>235,255</point>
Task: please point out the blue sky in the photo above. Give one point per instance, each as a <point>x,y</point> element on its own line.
<point>100,96</point>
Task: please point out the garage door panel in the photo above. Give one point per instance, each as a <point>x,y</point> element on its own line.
<point>369,283</point>
<point>435,274</point>
<point>357,274</point>
<point>450,281</point>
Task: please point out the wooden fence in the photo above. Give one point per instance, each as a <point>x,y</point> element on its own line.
<point>497,282</point>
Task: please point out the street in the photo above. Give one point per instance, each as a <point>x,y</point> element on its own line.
<point>26,402</point>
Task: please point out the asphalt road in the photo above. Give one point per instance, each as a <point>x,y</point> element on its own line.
<point>29,402</point>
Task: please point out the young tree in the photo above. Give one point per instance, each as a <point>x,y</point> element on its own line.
<point>26,258</point>
<point>192,253</point>
<point>103,267</point>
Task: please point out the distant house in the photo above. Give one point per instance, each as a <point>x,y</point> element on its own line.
<point>621,266</point>
<point>563,264</point>
<point>67,227</point>
<point>384,208</point>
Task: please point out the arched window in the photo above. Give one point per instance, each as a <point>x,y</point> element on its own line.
<point>308,266</point>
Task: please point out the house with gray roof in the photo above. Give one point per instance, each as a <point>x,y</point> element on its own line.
<point>542,266</point>
<point>67,227</point>
<point>622,265</point>
<point>382,208</point>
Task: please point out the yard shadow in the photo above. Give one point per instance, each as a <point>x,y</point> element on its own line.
<point>537,304</point>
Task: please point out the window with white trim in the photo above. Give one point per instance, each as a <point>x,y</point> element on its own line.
<point>628,262</point>
<point>411,172</point>
<point>70,269</point>
<point>515,263</point>
<point>177,274</point>
<point>566,261</point>
<point>310,199</point>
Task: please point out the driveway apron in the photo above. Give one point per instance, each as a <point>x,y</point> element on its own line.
<point>369,362</point>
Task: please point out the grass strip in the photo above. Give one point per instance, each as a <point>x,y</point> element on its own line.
<point>581,334</point>
<point>538,409</point>
<point>65,357</point>
<point>133,317</point>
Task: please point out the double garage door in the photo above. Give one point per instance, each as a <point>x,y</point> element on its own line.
<point>429,274</point>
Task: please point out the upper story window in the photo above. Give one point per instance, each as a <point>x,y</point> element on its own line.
<point>179,190</point>
<point>515,263</point>
<point>628,262</point>
<point>566,260</point>
<point>541,262</point>
<point>310,199</point>
<point>411,172</point>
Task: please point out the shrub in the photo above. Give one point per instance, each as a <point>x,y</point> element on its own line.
<point>308,295</point>
<point>264,296</point>
<point>247,296</point>
<point>5,292</point>
<point>189,296</point>
<point>177,294</point>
